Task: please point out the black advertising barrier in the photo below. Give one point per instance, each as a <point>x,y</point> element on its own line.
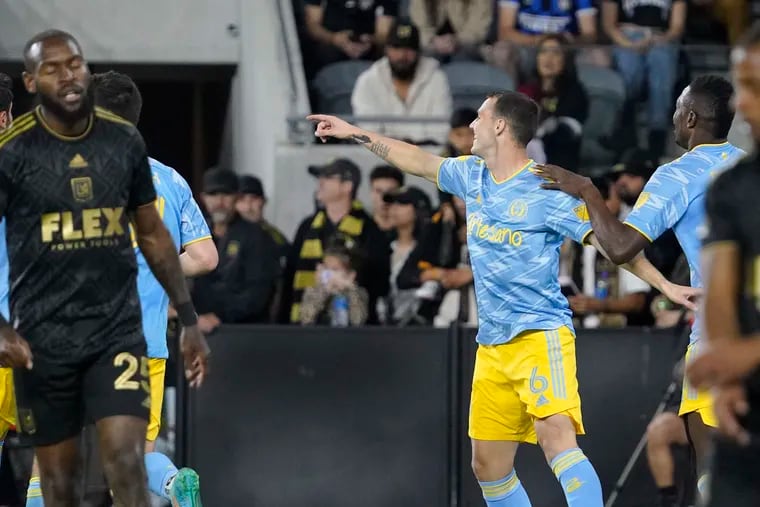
<point>378,417</point>
<point>324,418</point>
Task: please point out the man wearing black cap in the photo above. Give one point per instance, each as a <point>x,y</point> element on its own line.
<point>341,217</point>
<point>406,85</point>
<point>633,171</point>
<point>250,206</point>
<point>384,179</point>
<point>240,290</point>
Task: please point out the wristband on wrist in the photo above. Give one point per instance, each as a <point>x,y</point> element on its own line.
<point>186,314</point>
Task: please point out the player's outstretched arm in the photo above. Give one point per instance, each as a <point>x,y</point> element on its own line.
<point>620,242</point>
<point>159,250</point>
<point>199,258</point>
<point>407,157</point>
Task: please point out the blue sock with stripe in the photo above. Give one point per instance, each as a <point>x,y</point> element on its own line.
<point>578,478</point>
<point>161,471</point>
<point>34,493</point>
<point>507,492</point>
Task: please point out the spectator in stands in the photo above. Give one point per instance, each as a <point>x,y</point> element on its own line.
<point>621,298</point>
<point>461,135</point>
<point>523,23</point>
<point>563,100</point>
<point>341,218</point>
<point>348,30</point>
<point>452,29</point>
<point>383,179</point>
<point>733,14</point>
<point>404,84</point>
<point>250,206</point>
<point>646,34</point>
<point>410,212</point>
<point>336,299</point>
<point>240,290</point>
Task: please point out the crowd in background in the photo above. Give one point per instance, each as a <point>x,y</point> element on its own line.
<point>402,259</point>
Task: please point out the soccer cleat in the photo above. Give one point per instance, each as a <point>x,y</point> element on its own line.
<point>186,489</point>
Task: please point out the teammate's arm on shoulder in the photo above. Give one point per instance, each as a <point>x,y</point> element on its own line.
<point>199,257</point>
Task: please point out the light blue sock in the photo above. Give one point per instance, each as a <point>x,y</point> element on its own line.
<point>578,478</point>
<point>34,493</point>
<point>160,471</point>
<point>507,492</point>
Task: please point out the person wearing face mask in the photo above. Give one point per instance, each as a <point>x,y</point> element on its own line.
<point>241,289</point>
<point>337,300</point>
<point>407,85</point>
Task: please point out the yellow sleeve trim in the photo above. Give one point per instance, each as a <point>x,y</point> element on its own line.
<point>108,115</point>
<point>19,127</point>
<point>438,175</point>
<point>196,240</point>
<point>639,231</point>
<point>584,239</point>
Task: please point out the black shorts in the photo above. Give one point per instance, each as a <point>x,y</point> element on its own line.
<point>55,400</point>
<point>733,476</point>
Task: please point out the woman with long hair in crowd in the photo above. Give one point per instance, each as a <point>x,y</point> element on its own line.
<point>563,100</point>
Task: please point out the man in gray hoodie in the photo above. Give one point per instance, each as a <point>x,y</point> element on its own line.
<point>405,84</point>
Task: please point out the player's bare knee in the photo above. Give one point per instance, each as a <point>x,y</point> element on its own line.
<point>60,485</point>
<point>665,430</point>
<point>556,434</point>
<point>125,465</point>
<point>492,461</point>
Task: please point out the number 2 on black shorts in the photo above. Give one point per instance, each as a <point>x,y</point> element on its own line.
<point>126,380</point>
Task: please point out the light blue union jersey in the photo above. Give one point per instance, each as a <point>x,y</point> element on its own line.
<point>514,233</point>
<point>184,220</point>
<point>674,198</point>
<point>5,274</point>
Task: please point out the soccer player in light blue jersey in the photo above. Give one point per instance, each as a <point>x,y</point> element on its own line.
<point>673,198</point>
<point>524,386</point>
<point>189,230</point>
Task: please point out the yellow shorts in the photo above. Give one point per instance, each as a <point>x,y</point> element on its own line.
<point>157,370</point>
<point>7,402</point>
<point>693,400</point>
<point>530,377</point>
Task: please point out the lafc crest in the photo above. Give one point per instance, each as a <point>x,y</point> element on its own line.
<point>81,188</point>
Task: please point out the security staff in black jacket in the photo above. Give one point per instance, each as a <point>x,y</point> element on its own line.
<point>241,288</point>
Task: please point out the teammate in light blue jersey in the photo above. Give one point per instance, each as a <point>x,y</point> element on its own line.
<point>524,386</point>
<point>673,198</point>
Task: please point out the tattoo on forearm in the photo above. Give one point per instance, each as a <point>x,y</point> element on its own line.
<point>379,149</point>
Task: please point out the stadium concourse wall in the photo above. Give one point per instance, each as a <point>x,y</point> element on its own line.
<point>377,417</point>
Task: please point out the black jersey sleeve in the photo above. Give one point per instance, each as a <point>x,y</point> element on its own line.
<point>722,213</point>
<point>141,191</point>
<point>7,167</point>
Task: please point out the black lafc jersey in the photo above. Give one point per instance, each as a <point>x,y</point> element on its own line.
<point>733,216</point>
<point>66,202</point>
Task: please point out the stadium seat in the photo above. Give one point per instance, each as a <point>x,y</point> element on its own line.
<point>335,83</point>
<point>470,82</point>
<point>606,93</point>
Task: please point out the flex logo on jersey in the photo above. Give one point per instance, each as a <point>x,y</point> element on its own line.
<point>71,230</point>
<point>478,228</point>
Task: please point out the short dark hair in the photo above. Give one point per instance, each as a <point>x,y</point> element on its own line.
<point>387,172</point>
<point>713,96</point>
<point>751,37</point>
<point>42,37</point>
<point>117,93</point>
<point>521,113</point>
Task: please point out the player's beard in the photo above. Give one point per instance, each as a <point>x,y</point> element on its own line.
<point>404,71</point>
<point>66,115</point>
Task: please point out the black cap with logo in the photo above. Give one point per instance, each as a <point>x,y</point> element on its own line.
<point>218,180</point>
<point>409,195</point>
<point>341,167</point>
<point>636,162</point>
<point>251,185</point>
<point>404,34</point>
